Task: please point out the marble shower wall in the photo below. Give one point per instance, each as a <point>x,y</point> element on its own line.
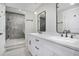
<point>15,25</point>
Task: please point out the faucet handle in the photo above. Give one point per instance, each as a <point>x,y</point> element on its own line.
<point>72,35</point>
<point>62,35</point>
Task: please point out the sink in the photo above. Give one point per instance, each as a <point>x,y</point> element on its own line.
<point>64,39</point>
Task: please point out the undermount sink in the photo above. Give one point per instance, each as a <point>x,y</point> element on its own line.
<point>64,39</point>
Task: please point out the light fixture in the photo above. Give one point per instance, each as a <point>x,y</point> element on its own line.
<point>35,12</point>
<point>72,3</point>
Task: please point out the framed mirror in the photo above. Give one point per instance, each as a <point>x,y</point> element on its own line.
<point>41,22</point>
<point>67,17</point>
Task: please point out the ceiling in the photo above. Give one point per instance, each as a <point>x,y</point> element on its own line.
<point>24,6</point>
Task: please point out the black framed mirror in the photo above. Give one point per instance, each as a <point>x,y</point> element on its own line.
<point>67,17</point>
<point>41,22</point>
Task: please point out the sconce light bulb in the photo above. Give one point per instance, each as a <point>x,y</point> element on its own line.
<point>35,12</point>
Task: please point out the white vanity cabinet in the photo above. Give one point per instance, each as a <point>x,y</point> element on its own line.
<point>42,47</point>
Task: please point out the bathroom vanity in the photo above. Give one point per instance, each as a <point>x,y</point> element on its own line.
<point>50,45</point>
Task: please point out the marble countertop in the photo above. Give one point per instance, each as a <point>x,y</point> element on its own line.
<point>67,42</point>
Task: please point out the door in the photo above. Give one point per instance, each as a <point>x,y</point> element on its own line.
<point>2,28</point>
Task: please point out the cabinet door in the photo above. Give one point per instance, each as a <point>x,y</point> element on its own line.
<point>41,49</point>
<point>44,51</point>
<point>31,45</point>
<point>29,42</point>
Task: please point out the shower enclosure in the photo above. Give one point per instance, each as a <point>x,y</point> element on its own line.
<point>14,25</point>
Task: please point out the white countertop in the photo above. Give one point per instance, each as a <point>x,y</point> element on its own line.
<point>67,42</point>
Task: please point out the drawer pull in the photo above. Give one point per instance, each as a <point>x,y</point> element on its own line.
<point>37,40</point>
<point>36,47</point>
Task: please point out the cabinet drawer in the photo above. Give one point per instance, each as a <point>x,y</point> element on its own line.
<point>38,41</point>
<point>59,49</point>
<point>43,51</point>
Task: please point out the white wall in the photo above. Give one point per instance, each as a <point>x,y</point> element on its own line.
<point>29,25</point>
<point>50,9</point>
<point>2,28</point>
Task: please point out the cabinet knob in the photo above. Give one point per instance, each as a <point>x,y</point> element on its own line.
<point>30,42</point>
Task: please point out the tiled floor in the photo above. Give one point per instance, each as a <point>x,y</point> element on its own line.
<point>16,47</point>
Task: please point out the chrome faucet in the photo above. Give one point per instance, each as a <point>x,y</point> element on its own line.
<point>66,32</point>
